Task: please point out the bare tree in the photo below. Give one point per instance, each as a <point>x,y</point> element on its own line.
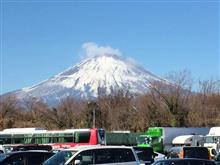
<point>66,115</point>
<point>175,95</point>
<point>7,111</point>
<point>205,104</point>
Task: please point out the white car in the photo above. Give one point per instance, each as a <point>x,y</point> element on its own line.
<point>97,154</point>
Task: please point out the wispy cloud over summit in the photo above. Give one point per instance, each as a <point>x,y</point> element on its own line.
<point>91,49</point>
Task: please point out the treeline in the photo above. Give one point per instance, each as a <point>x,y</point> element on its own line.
<point>164,105</point>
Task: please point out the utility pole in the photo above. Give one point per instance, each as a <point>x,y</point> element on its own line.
<point>92,107</point>
<point>93,114</point>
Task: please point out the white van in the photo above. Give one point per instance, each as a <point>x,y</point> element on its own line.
<point>83,155</point>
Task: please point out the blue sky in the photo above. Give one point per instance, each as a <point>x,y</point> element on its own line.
<point>42,38</point>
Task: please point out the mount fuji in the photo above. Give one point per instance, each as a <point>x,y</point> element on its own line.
<point>107,72</point>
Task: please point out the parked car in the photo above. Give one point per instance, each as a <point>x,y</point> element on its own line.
<point>83,155</point>
<point>145,155</point>
<point>24,157</point>
<point>195,152</point>
<point>174,152</point>
<point>185,161</point>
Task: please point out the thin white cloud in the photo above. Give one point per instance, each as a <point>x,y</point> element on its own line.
<point>91,49</point>
<point>133,61</point>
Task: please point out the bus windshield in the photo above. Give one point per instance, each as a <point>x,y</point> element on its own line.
<point>212,139</point>
<point>143,140</point>
<point>147,140</point>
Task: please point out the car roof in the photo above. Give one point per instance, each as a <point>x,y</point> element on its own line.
<point>88,147</point>
<point>28,151</point>
<point>137,147</point>
<point>32,147</point>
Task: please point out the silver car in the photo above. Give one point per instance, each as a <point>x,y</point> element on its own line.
<point>83,155</point>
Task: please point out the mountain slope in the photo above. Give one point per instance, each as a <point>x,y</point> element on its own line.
<point>99,73</point>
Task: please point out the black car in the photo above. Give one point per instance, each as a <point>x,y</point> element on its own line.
<point>24,157</point>
<point>196,152</point>
<point>184,161</point>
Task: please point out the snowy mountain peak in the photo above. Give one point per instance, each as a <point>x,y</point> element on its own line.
<point>107,72</point>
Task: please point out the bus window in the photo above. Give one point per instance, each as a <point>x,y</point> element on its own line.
<point>82,137</point>
<point>18,140</point>
<point>7,141</point>
<point>50,138</point>
<point>68,137</point>
<point>27,138</point>
<point>38,140</point>
<point>59,136</point>
<point>55,138</point>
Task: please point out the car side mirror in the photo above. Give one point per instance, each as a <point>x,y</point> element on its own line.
<point>77,162</point>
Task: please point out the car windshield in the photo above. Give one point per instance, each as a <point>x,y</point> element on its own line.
<point>141,140</point>
<point>59,158</point>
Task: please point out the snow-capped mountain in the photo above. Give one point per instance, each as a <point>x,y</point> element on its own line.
<point>98,73</point>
